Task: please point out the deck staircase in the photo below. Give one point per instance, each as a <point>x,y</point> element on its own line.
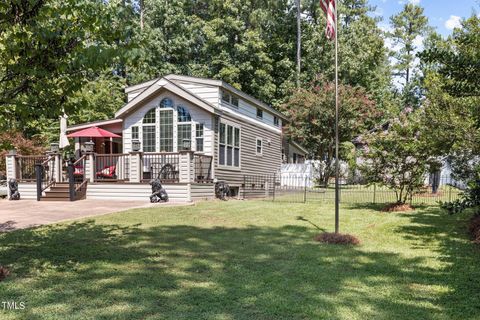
<point>61,192</point>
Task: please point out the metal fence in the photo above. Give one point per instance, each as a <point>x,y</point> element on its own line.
<point>270,187</point>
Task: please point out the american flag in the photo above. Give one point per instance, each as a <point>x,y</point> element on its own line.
<point>328,6</point>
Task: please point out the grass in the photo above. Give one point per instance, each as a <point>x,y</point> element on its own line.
<point>244,260</point>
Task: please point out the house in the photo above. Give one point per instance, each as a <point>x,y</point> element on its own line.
<point>188,131</point>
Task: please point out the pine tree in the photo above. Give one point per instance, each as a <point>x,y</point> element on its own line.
<point>409,26</point>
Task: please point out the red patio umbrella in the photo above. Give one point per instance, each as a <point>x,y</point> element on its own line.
<point>93,132</point>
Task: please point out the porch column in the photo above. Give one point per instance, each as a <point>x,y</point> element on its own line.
<point>186,166</point>
<point>90,167</point>
<point>11,168</point>
<point>57,167</point>
<point>136,168</point>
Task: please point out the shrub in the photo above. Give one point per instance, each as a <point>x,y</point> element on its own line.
<point>15,140</point>
<point>396,158</point>
<point>469,199</point>
<point>337,238</point>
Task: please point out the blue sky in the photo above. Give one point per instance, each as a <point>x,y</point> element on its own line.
<point>442,14</point>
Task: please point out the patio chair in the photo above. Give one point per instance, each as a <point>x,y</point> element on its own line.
<point>108,172</point>
<point>78,171</point>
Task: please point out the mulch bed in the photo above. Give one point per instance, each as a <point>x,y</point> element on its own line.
<point>3,273</point>
<point>337,238</point>
<point>474,228</point>
<point>395,207</point>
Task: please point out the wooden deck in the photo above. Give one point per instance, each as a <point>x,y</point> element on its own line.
<point>177,192</point>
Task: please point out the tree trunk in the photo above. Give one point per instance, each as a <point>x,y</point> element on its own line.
<point>299,41</point>
<point>142,9</point>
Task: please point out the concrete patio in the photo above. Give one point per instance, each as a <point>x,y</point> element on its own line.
<point>30,213</point>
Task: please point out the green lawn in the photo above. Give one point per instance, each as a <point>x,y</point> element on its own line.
<point>244,260</point>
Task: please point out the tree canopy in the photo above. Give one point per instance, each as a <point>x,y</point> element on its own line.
<point>55,54</point>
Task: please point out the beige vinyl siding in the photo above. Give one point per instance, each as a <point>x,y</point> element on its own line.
<point>250,163</point>
<point>202,191</point>
<point>246,109</point>
<point>27,190</point>
<point>198,115</point>
<point>208,93</point>
<point>131,95</point>
<point>176,192</point>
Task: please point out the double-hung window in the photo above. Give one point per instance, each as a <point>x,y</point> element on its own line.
<point>229,146</point>
<point>135,135</point>
<point>148,131</point>
<point>166,125</point>
<point>259,147</point>
<point>166,130</point>
<point>276,122</point>
<point>199,136</point>
<point>259,113</point>
<point>229,98</point>
<point>184,128</point>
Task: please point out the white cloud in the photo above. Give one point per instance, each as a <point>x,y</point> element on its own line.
<point>453,22</point>
<point>418,42</point>
<point>378,12</point>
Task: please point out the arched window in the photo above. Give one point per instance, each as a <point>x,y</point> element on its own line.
<point>183,114</point>
<point>149,138</point>
<point>166,103</point>
<point>150,116</point>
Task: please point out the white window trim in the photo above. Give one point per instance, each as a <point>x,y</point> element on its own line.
<point>224,166</point>
<point>278,121</point>
<point>256,113</point>
<point>202,137</point>
<point>261,147</point>
<point>229,103</point>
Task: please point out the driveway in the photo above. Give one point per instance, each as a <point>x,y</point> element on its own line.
<point>30,213</point>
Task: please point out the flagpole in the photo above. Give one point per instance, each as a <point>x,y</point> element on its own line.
<point>337,164</point>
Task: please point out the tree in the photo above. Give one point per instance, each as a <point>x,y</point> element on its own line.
<point>458,62</point>
<point>299,40</point>
<point>363,57</point>
<point>396,158</point>
<point>452,108</point>
<point>312,118</point>
<point>48,50</point>
<point>12,139</point>
<point>408,27</point>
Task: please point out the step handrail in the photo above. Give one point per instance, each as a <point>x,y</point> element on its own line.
<point>84,182</point>
<point>43,172</point>
<point>79,159</point>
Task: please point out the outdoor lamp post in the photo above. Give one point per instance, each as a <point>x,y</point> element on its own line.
<point>136,145</point>
<point>54,147</point>
<point>186,144</point>
<point>89,146</point>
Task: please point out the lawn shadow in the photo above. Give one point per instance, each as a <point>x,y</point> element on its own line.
<point>378,206</point>
<point>433,226</point>
<point>88,270</point>
<point>301,218</point>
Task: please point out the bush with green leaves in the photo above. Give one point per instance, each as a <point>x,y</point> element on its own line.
<point>469,199</point>
<point>396,158</point>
